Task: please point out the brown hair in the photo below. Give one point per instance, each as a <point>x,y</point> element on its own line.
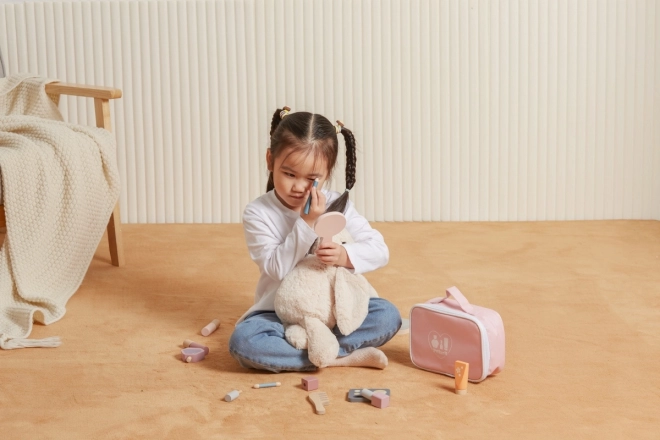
<point>314,134</point>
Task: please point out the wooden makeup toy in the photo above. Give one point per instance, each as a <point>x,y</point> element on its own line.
<point>377,399</point>
<point>192,354</point>
<point>232,395</point>
<point>266,385</point>
<point>320,401</point>
<point>309,199</point>
<point>210,327</point>
<point>188,343</point>
<point>310,383</point>
<point>355,394</point>
<point>328,225</point>
<point>461,371</point>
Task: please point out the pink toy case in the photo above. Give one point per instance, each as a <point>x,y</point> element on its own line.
<point>448,329</point>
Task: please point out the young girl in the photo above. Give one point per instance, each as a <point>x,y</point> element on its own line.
<point>303,148</point>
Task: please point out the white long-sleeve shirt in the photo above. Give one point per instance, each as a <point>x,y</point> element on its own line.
<point>278,238</point>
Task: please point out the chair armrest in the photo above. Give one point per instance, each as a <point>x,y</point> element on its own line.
<point>58,88</point>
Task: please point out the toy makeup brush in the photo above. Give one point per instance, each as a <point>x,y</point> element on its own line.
<point>309,200</point>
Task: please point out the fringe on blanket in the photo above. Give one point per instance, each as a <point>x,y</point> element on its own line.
<point>7,343</point>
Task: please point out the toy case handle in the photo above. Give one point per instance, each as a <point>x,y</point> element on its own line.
<point>456,294</point>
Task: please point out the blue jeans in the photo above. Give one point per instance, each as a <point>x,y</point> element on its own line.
<point>259,341</point>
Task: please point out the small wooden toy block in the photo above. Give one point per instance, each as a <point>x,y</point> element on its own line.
<point>380,400</point>
<point>310,383</point>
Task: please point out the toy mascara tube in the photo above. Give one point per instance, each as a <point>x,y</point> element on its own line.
<point>309,200</point>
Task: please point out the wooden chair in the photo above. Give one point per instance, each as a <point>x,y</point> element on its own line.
<point>102,97</point>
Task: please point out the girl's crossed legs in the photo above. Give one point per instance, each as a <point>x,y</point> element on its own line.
<point>259,341</point>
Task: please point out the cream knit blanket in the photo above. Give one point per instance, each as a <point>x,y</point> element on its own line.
<point>60,183</point>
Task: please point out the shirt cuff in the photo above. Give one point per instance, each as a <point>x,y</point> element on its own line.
<point>358,267</point>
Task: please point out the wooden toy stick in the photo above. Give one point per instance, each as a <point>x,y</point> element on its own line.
<point>309,200</point>
<point>267,385</point>
<point>210,327</point>
<point>232,395</point>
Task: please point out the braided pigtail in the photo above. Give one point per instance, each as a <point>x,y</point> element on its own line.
<point>351,159</point>
<point>279,114</point>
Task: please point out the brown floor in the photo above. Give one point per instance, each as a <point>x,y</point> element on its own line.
<point>580,303</point>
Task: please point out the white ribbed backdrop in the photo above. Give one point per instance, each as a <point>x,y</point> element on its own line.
<point>463,110</point>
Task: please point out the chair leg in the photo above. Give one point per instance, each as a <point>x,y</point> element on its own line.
<point>115,238</point>
<point>102,111</point>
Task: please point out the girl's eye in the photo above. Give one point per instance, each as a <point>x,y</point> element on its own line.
<point>289,174</point>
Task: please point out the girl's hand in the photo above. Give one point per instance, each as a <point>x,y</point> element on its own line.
<point>316,208</point>
<point>335,254</point>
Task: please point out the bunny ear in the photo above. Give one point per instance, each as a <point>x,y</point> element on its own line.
<point>351,301</point>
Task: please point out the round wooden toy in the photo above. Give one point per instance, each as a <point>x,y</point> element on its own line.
<point>329,224</point>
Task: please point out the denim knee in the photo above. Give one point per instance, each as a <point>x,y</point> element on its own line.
<point>260,343</point>
<point>238,341</point>
<point>389,317</point>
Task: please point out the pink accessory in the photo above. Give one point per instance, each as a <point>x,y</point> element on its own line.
<point>310,383</point>
<point>192,354</point>
<point>377,399</point>
<point>446,329</point>
<point>328,225</point>
<point>188,343</point>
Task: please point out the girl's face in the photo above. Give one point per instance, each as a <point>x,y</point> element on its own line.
<point>294,174</point>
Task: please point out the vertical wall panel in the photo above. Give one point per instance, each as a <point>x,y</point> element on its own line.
<point>464,110</point>
<point>652,114</point>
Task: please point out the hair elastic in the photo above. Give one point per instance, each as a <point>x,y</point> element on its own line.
<point>284,112</point>
<point>339,126</point>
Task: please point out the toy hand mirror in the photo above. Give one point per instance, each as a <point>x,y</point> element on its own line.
<point>328,225</point>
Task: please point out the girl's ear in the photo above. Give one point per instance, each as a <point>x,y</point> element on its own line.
<point>268,162</point>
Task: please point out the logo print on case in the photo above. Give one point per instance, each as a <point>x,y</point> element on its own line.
<point>440,343</point>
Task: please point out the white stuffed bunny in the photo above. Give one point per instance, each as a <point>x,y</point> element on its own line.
<point>314,297</point>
